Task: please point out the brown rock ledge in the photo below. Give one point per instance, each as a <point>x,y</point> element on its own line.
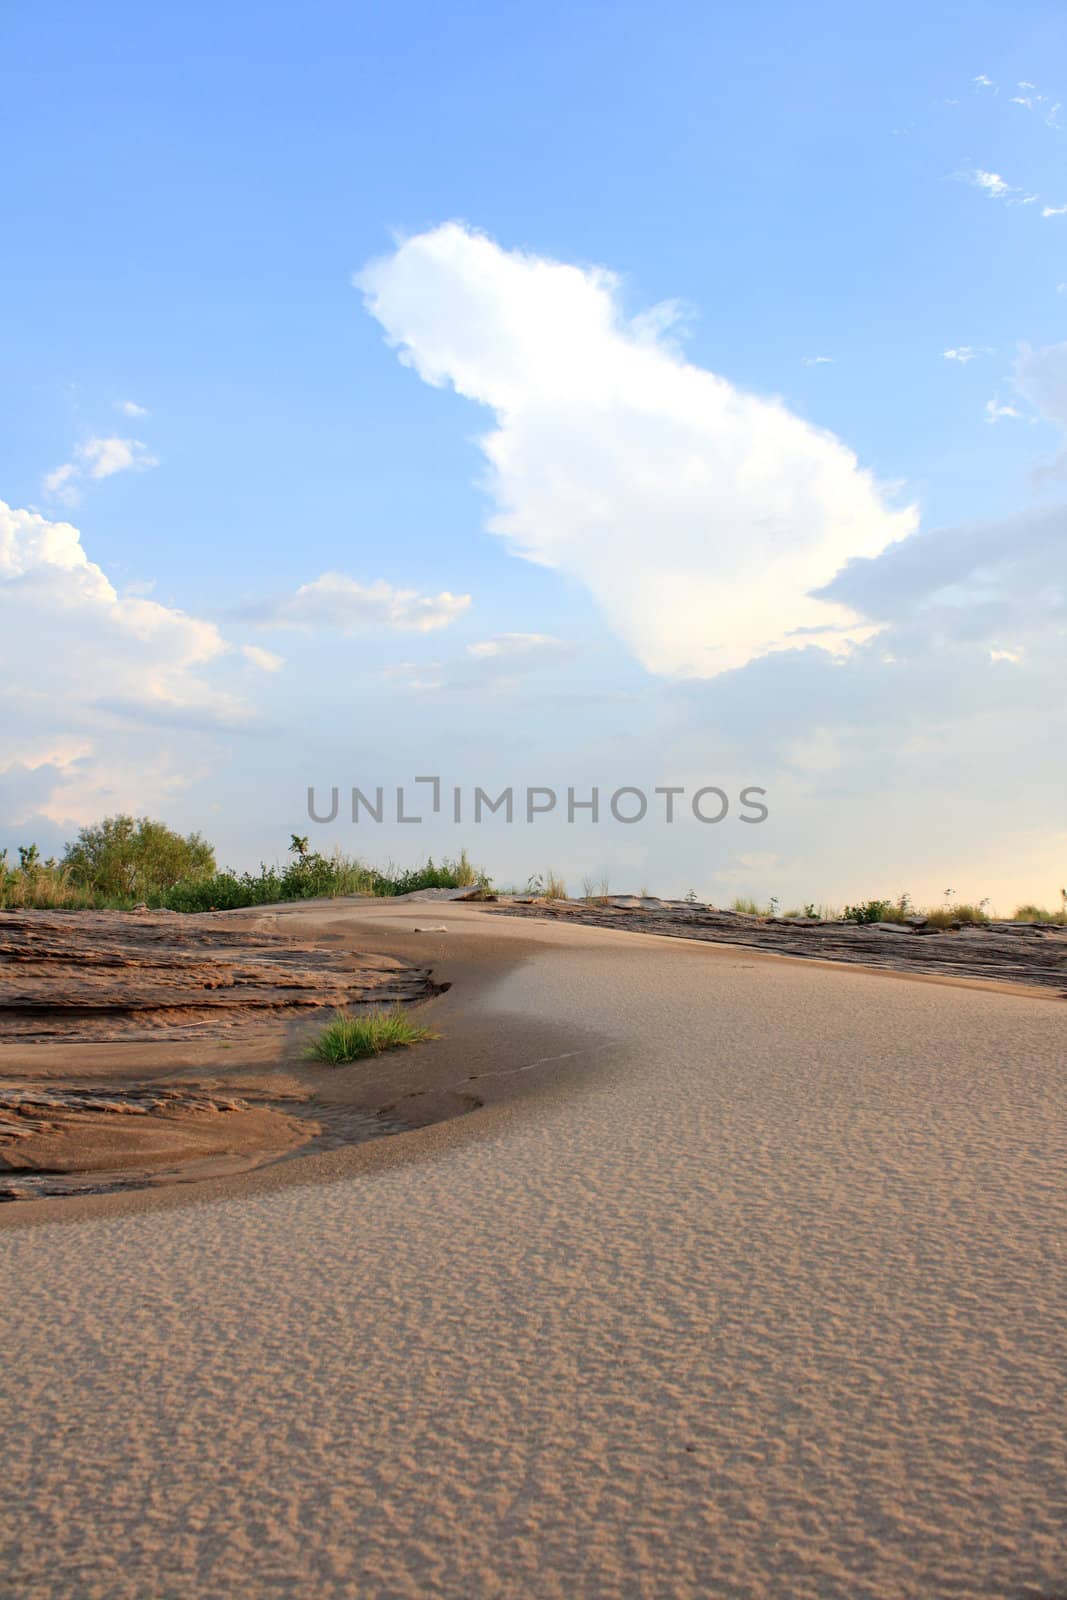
<point>110,975</point>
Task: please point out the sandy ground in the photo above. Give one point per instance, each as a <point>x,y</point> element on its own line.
<point>755,1289</point>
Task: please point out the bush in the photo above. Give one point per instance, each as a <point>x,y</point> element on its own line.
<point>873,911</point>
<point>120,862</point>
<point>135,858</point>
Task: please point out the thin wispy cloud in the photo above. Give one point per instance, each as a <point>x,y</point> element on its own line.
<point>495,664</point>
<point>964,353</point>
<point>990,183</point>
<point>817,361</point>
<point>1031,99</point>
<point>998,410</point>
<point>338,602</point>
<point>994,187</point>
<point>1054,211</point>
<point>265,660</point>
<point>130,408</point>
<point>980,81</point>
<point>97,458</point>
<point>102,458</point>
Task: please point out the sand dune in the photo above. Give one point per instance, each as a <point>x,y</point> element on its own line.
<point>747,1281</point>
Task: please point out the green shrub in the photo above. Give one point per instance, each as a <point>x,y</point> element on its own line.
<point>129,857</point>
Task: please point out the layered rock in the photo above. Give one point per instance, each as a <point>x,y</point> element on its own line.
<point>100,975</point>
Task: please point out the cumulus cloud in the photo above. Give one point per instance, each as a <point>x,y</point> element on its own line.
<point>700,516</point>
<point>80,659</point>
<point>335,600</point>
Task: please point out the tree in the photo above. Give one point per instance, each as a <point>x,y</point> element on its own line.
<point>124,855</point>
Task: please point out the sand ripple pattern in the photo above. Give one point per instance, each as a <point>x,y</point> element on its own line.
<point>773,1308</point>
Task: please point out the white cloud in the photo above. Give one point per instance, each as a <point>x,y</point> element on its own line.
<point>101,458</point>
<point>335,600</point>
<point>996,410</point>
<point>698,515</point>
<point>997,188</point>
<point>82,664</point>
<point>97,458</point>
<point>964,353</point>
<point>1041,104</point>
<point>817,361</point>
<point>980,81</point>
<point>1054,211</point>
<point>130,408</point>
<point>59,483</point>
<point>991,183</point>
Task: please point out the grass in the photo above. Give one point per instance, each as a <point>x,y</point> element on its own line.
<point>348,1038</point>
<point>547,886</point>
<point>595,889</point>
<point>746,907</point>
<point>1041,914</point>
<point>951,913</point>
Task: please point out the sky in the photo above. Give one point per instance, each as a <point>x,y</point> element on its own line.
<point>560,398</point>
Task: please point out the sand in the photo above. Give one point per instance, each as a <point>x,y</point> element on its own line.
<point>746,1280</point>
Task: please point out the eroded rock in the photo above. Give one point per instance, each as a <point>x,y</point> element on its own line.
<point>101,975</point>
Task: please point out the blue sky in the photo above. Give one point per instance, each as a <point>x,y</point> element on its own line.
<point>190,195</point>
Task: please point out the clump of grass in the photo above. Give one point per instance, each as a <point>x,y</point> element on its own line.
<point>348,1038</point>
<point>596,890</point>
<point>746,907</point>
<point>965,913</point>
<point>546,886</point>
<point>1040,914</point>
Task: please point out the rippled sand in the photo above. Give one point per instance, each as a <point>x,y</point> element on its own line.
<point>758,1291</point>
